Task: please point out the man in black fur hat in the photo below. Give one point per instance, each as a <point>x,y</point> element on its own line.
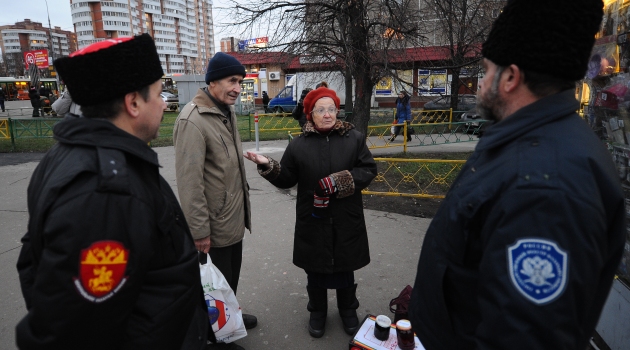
<point>108,261</point>
<point>523,250</point>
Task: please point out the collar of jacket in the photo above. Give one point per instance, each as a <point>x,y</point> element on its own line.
<point>205,104</point>
<point>73,130</point>
<point>340,127</point>
<point>544,111</point>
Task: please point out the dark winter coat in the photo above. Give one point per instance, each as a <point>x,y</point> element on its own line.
<point>338,243</point>
<point>34,96</point>
<point>492,275</point>
<point>265,99</point>
<point>100,187</point>
<point>403,109</point>
<point>2,95</point>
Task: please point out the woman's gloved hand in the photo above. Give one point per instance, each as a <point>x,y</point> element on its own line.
<point>321,198</point>
<point>327,186</point>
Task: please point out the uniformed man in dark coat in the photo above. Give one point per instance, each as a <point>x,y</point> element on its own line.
<point>108,261</point>
<point>523,251</point>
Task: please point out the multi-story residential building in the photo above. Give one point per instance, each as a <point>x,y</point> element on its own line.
<point>26,36</point>
<point>183,29</point>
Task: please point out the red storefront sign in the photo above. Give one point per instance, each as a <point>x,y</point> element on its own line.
<point>37,57</point>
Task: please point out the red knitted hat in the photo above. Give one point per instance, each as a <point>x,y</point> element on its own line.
<point>313,96</point>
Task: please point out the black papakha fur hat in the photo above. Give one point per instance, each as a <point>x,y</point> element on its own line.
<point>110,69</point>
<point>548,37</point>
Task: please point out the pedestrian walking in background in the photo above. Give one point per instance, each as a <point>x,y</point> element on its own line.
<point>298,111</point>
<point>523,251</point>
<point>43,92</point>
<point>108,261</point>
<point>2,98</point>
<point>36,102</point>
<point>265,101</point>
<point>210,171</point>
<point>331,164</point>
<point>403,114</point>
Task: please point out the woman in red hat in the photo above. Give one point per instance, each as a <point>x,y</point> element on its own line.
<point>331,164</point>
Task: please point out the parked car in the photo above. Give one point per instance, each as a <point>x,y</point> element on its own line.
<point>464,103</point>
<point>172,101</point>
<point>474,122</point>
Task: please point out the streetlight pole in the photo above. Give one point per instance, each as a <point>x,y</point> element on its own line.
<point>52,49</point>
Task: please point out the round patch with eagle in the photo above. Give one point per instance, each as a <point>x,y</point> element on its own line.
<point>538,269</point>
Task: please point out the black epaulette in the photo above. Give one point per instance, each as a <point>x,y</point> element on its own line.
<point>113,175</point>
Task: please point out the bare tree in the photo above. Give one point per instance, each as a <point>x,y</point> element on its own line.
<point>360,38</point>
<point>461,26</point>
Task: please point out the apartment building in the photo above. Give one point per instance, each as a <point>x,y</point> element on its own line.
<point>183,29</point>
<point>27,36</point>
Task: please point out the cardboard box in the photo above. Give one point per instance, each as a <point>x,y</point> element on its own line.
<point>364,337</point>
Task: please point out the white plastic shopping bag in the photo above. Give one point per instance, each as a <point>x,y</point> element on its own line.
<point>224,312</point>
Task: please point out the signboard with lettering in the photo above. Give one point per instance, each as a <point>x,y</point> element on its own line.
<point>253,43</point>
<point>37,57</point>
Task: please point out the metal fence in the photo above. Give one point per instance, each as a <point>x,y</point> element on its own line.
<point>427,128</point>
<point>418,178</point>
<point>4,129</point>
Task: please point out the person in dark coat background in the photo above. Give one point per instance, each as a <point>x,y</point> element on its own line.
<point>331,164</point>
<point>108,261</point>
<point>43,91</point>
<point>403,114</point>
<point>298,111</point>
<point>2,98</point>
<point>265,101</point>
<point>523,250</point>
<point>36,103</point>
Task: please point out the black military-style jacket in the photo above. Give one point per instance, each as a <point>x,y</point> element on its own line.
<point>523,250</point>
<point>108,261</point>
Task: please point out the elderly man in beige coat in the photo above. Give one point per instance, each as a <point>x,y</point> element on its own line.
<point>210,171</point>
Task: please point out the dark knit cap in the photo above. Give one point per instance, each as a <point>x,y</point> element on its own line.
<point>548,37</point>
<point>110,69</point>
<point>314,95</point>
<point>223,65</point>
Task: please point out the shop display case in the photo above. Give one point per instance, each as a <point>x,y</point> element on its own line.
<point>605,101</point>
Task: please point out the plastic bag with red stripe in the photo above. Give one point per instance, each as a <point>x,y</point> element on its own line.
<point>224,312</point>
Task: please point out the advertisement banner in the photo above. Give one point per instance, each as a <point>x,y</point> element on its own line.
<point>432,82</point>
<point>253,43</point>
<point>384,86</point>
<point>37,57</point>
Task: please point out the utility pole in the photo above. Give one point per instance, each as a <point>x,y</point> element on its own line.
<point>52,50</point>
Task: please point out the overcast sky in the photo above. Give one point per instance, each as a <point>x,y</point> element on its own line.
<point>59,10</point>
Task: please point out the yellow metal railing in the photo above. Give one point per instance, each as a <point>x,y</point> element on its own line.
<point>4,129</point>
<point>432,116</point>
<point>277,122</point>
<point>419,178</point>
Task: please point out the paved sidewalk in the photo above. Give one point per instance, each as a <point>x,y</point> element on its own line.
<point>271,287</point>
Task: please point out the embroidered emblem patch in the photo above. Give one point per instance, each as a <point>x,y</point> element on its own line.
<point>102,270</point>
<point>218,312</point>
<point>538,269</point>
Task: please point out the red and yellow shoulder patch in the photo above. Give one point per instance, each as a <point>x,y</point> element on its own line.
<point>102,268</point>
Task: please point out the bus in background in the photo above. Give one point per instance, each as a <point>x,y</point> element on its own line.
<point>168,85</point>
<point>17,88</point>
